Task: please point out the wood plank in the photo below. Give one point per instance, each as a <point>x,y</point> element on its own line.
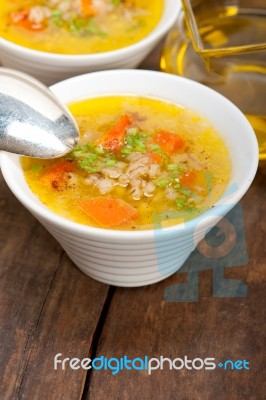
<point>66,325</point>
<point>141,323</point>
<point>47,306</point>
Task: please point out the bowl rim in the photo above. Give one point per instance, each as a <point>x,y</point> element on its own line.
<point>157,32</point>
<point>48,215</point>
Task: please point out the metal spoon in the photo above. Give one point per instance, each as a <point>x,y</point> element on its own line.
<point>33,122</point>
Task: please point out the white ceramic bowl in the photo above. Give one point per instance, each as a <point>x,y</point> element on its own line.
<point>125,258</point>
<point>50,68</point>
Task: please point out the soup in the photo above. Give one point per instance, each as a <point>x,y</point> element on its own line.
<point>78,26</point>
<point>138,158</point>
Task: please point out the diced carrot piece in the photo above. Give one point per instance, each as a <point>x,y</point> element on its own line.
<point>87,8</point>
<point>108,211</point>
<point>30,26</point>
<point>18,16</point>
<point>195,181</point>
<point>115,138</point>
<point>55,175</point>
<point>189,178</point>
<point>155,158</point>
<point>169,142</point>
<point>21,18</point>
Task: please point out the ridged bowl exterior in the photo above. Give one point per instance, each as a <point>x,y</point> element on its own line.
<point>52,72</point>
<point>138,258</point>
<point>120,264</point>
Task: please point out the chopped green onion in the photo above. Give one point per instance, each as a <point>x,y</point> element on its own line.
<point>176,167</point>
<point>78,153</point>
<point>81,23</point>
<point>144,135</point>
<point>90,147</point>
<point>92,170</point>
<point>99,150</point>
<point>136,139</point>
<point>130,140</point>
<point>126,150</point>
<point>182,167</point>
<point>186,192</point>
<point>140,146</point>
<point>90,159</point>
<point>161,183</point>
<point>189,193</point>
<point>110,163</point>
<point>73,27</point>
<point>57,21</point>
<point>172,167</point>
<point>176,186</point>
<point>155,147</point>
<point>175,175</point>
<point>56,13</point>
<point>132,131</point>
<point>93,29</point>
<point>180,202</point>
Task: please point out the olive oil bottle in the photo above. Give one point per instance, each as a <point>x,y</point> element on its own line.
<point>232,59</point>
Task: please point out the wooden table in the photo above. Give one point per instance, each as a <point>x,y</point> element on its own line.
<point>47,306</point>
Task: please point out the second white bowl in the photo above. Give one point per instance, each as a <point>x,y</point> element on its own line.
<point>50,68</point>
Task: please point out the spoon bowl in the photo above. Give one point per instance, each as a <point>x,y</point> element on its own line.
<point>33,122</point>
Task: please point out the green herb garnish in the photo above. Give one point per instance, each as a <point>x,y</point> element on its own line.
<point>180,203</point>
<point>110,163</point>
<point>162,183</point>
<point>126,150</point>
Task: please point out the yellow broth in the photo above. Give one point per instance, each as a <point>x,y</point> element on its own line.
<point>78,26</point>
<point>160,179</point>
